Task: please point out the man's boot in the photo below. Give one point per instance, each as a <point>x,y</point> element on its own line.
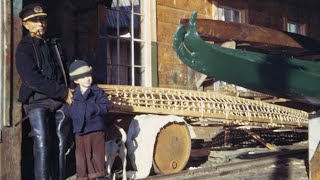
<point>63,126</point>
<point>40,134</point>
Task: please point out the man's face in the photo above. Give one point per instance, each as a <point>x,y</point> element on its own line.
<point>85,81</point>
<point>36,26</point>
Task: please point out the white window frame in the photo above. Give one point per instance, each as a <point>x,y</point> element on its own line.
<point>145,39</point>
<point>221,10</point>
<point>300,28</point>
<point>5,29</point>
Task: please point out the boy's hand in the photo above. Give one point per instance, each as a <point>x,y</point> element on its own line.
<point>69,98</point>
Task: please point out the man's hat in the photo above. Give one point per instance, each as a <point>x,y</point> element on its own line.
<point>78,69</point>
<point>32,10</point>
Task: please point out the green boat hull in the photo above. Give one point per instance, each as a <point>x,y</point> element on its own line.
<point>276,75</point>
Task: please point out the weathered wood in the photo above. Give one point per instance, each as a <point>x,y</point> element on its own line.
<point>261,140</point>
<point>203,6</point>
<point>169,14</point>
<point>172,148</point>
<point>314,165</point>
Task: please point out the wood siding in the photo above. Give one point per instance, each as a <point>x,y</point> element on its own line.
<point>172,72</point>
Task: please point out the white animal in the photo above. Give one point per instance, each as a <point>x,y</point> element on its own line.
<point>116,148</point>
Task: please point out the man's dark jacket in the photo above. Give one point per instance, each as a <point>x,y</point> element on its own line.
<point>36,83</point>
<point>88,110</point>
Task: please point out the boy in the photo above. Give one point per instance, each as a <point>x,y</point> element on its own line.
<point>90,104</point>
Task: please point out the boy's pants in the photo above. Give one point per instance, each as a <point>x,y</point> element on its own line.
<point>90,155</point>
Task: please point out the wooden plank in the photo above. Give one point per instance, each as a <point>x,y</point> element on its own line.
<point>261,140</point>
<point>200,80</point>
<point>172,75</point>
<point>173,15</point>
<point>314,165</point>
<point>202,6</point>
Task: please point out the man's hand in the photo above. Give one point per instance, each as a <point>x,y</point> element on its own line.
<point>69,98</point>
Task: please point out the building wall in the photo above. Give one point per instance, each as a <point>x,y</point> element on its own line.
<point>272,13</point>
<point>171,71</point>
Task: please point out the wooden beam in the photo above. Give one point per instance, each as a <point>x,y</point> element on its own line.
<point>260,139</point>
<point>200,81</point>
<point>314,165</point>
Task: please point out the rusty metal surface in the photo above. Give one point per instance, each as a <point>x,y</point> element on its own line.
<point>172,148</point>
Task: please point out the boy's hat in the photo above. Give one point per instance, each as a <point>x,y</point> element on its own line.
<point>78,69</point>
<point>32,11</point>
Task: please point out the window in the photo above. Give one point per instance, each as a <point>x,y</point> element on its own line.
<point>128,43</point>
<point>229,14</point>
<point>296,28</point>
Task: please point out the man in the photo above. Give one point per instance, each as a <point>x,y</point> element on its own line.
<point>44,88</point>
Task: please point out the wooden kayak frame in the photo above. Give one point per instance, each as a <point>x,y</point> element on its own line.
<point>188,103</point>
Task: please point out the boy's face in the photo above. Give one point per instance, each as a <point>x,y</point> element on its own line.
<point>85,81</point>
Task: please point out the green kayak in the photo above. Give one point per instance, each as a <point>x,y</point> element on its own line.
<point>276,75</point>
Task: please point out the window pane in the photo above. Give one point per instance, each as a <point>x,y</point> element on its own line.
<point>136,6</point>
<point>292,28</point>
<point>137,24</point>
<point>122,5</point>
<point>138,48</point>
<point>114,5</point>
<point>236,16</point>
<point>112,62</point>
<point>125,46</point>
<point>125,61</point>
<point>138,76</point>
<point>118,61</point>
<point>228,15</point>
<point>119,15</point>
<point>221,14</point>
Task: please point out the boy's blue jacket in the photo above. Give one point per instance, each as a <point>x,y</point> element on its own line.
<point>88,110</point>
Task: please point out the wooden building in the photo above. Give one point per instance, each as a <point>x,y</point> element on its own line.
<point>129,43</point>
